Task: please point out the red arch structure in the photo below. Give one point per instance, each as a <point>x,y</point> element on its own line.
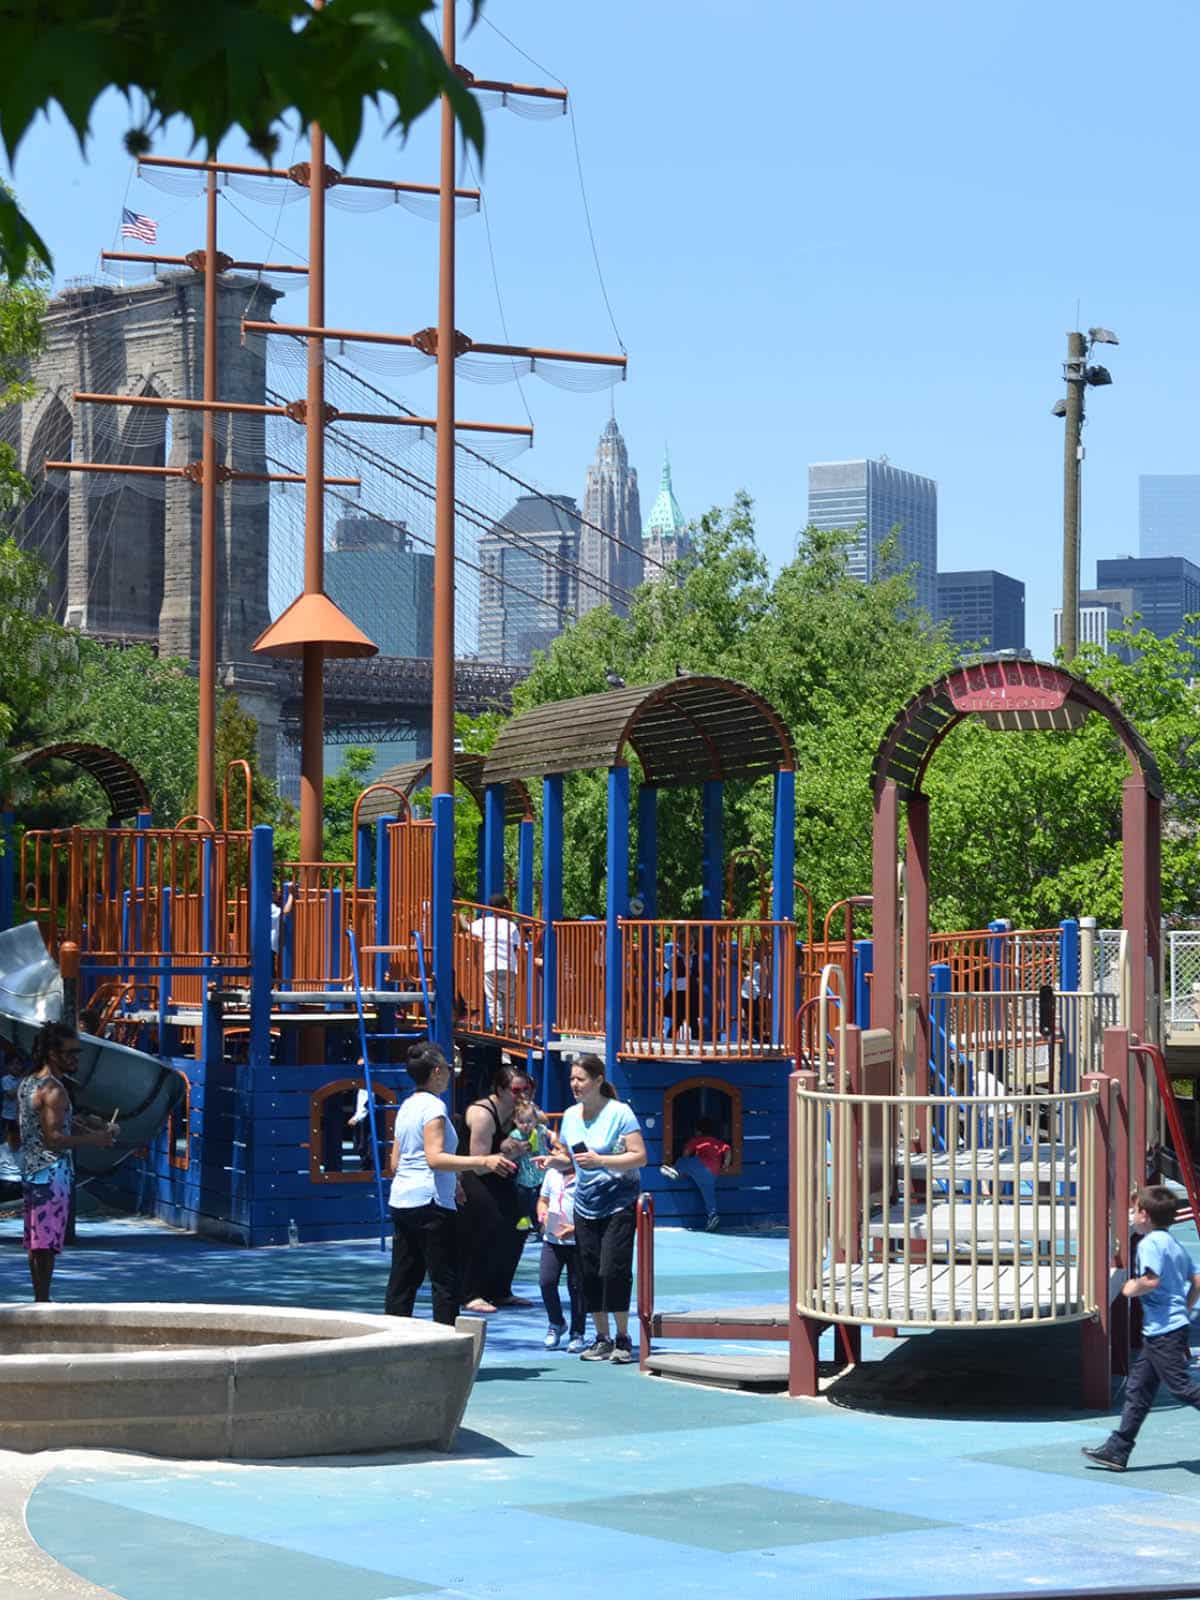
<point>1010,696</point>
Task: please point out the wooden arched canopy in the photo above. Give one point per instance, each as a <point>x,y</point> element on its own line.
<point>124,787</point>
<point>410,776</point>
<point>1011,696</point>
<point>683,732</point>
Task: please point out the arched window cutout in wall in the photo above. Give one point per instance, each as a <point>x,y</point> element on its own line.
<point>339,1151</point>
<point>687,1102</point>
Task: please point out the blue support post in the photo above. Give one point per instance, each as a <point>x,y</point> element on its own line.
<point>552,910</point>
<point>442,1031</point>
<point>481,865</point>
<point>525,867</point>
<point>1069,983</point>
<point>995,950</point>
<point>164,977</point>
<point>647,862</point>
<point>617,907</point>
<point>783,892</point>
<point>364,865</point>
<point>864,965</point>
<point>333,943</point>
<point>383,896</point>
<point>262,962</point>
<point>493,840</point>
<point>938,1067</point>
<point>8,870</point>
<point>144,821</point>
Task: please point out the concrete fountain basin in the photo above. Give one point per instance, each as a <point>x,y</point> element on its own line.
<point>234,1382</point>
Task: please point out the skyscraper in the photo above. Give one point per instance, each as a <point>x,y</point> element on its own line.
<point>383,584</point>
<point>985,610</point>
<point>1169,515</point>
<point>529,591</point>
<point>1165,589</point>
<point>664,536</point>
<point>1101,613</point>
<point>871,499</point>
<point>611,506</point>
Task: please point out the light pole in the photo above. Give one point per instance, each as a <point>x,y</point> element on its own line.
<point>1078,375</point>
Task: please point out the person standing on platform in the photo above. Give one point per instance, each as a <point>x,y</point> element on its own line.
<point>606,1145</point>
<point>425,1170</point>
<point>47,1141</point>
<point>501,939</point>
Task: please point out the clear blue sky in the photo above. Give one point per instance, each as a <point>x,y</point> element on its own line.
<point>828,230</point>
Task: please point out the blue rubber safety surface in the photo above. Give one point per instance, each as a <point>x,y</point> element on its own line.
<point>956,1467</point>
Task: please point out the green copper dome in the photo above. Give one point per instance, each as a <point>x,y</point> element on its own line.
<point>665,517</point>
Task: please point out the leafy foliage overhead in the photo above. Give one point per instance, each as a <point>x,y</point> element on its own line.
<point>220,65</point>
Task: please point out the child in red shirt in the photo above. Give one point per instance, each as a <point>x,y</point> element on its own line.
<point>702,1158</point>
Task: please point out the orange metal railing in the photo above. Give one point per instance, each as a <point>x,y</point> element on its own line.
<point>579,989</point>
<point>980,959</point>
<point>701,988</point>
<point>410,891</point>
<point>325,902</point>
<point>497,973</point>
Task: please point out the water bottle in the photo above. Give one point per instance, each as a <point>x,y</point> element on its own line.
<point>293,1232</point>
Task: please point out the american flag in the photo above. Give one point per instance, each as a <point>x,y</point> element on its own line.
<point>135,226</point>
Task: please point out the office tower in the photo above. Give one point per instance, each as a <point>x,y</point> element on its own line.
<point>1165,589</point>
<point>871,500</point>
<point>383,584</point>
<point>664,536</point>
<point>610,507</point>
<point>985,610</point>
<point>1101,612</point>
<point>1169,515</point>
<point>529,591</point>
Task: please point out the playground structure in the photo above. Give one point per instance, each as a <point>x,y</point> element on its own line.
<point>966,1160</point>
<point>951,1122</point>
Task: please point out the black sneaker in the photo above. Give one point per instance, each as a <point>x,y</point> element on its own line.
<point>622,1351</point>
<point>1103,1455</point>
<point>598,1350</point>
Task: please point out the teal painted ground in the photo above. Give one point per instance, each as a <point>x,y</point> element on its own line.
<point>952,1465</point>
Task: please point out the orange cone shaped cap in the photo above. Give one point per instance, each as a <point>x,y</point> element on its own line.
<point>313,619</point>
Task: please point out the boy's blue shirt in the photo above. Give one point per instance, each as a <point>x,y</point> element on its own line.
<point>1164,1308</point>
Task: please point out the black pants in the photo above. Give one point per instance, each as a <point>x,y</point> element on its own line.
<point>605,1246</point>
<point>424,1240</point>
<point>490,1245</point>
<point>1163,1358</point>
<point>555,1257</point>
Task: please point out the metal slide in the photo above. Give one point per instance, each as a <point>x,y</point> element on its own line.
<point>142,1090</point>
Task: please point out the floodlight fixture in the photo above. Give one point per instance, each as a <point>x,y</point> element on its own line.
<point>1098,377</point>
<point>1059,408</point>
<point>1102,336</point>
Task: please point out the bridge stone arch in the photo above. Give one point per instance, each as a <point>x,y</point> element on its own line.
<point>1009,696</point>
<point>44,529</point>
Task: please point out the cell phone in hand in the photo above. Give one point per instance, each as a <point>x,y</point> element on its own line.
<point>578,1149</point>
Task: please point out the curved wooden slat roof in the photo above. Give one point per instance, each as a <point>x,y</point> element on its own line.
<point>410,776</point>
<point>683,732</point>
<point>123,785</point>
<point>1012,696</point>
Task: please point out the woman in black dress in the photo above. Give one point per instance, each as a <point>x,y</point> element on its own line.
<point>492,1244</point>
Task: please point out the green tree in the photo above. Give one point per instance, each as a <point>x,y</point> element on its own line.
<point>342,789</point>
<point>37,656</point>
<point>237,740</point>
<point>226,64</point>
<point>834,656</point>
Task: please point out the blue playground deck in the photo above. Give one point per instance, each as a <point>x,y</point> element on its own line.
<point>576,1482</point>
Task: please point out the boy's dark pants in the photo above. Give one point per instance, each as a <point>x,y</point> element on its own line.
<point>1163,1358</point>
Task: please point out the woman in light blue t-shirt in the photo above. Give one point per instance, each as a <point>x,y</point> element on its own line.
<point>424,1171</point>
<point>606,1145</point>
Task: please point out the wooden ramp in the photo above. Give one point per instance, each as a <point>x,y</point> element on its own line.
<point>738,1322</point>
<point>722,1371</point>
